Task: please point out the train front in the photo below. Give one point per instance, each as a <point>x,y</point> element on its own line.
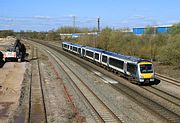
<point>146,72</point>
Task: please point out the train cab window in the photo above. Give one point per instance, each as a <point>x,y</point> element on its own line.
<point>104,58</point>
<point>65,45</point>
<point>116,63</point>
<point>96,56</point>
<point>132,68</point>
<point>146,68</point>
<point>89,53</point>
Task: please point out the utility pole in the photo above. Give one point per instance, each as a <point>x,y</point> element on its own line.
<point>98,24</point>
<point>74,23</point>
<point>98,31</point>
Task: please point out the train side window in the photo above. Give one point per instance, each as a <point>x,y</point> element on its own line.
<point>71,47</point>
<point>131,68</point>
<point>89,53</point>
<point>116,62</point>
<point>75,48</point>
<point>96,56</point>
<point>104,58</point>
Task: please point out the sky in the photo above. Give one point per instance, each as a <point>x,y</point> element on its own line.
<point>44,15</point>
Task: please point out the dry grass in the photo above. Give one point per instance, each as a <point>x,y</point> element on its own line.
<point>168,70</point>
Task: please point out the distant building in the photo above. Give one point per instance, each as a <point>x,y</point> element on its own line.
<point>76,35</point>
<point>159,29</point>
<point>64,36</point>
<point>139,31</point>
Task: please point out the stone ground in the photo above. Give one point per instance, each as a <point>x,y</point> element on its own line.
<point>11,82</point>
<point>14,90</point>
<point>11,77</point>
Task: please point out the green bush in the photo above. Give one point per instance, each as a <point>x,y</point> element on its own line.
<point>170,53</point>
<point>159,47</point>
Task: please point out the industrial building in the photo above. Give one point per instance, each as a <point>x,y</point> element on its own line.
<point>76,35</point>
<point>159,29</point>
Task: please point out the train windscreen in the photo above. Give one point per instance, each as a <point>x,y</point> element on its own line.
<point>146,68</point>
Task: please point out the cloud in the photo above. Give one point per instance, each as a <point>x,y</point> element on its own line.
<point>6,25</point>
<point>138,17</point>
<point>70,16</point>
<point>174,21</point>
<point>141,17</point>
<point>87,21</point>
<point>43,17</point>
<point>6,19</point>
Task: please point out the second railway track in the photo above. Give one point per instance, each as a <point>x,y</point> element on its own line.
<point>37,109</point>
<point>164,112</point>
<point>102,112</point>
<point>168,79</point>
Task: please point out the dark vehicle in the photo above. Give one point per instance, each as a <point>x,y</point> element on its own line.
<point>17,52</point>
<point>1,60</point>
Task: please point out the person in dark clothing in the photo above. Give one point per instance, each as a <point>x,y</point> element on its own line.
<point>20,49</point>
<point>17,44</point>
<point>23,50</point>
<point>1,60</point>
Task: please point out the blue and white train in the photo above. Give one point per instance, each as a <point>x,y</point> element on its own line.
<point>136,69</point>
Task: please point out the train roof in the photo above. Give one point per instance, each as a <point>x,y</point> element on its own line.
<point>94,49</point>
<point>129,58</point>
<point>78,45</point>
<point>67,43</point>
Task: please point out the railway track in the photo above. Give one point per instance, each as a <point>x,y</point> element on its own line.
<point>37,109</point>
<point>166,113</point>
<point>159,76</point>
<point>175,100</point>
<point>102,113</point>
<point>150,104</point>
<point>168,79</point>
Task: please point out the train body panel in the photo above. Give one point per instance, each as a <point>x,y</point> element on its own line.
<point>104,59</point>
<point>131,69</point>
<point>116,63</point>
<point>76,48</point>
<point>138,69</point>
<point>97,55</point>
<point>66,45</point>
<point>89,54</point>
<point>93,54</point>
<point>146,70</point>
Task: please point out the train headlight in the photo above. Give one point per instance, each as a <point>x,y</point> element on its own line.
<point>141,76</point>
<point>141,80</point>
<point>152,79</point>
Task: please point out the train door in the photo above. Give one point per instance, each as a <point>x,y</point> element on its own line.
<point>125,67</point>
<point>83,52</point>
<point>79,51</point>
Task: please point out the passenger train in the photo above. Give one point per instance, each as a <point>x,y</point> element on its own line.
<point>136,69</point>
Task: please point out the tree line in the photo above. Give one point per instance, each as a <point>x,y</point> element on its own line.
<point>162,47</point>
